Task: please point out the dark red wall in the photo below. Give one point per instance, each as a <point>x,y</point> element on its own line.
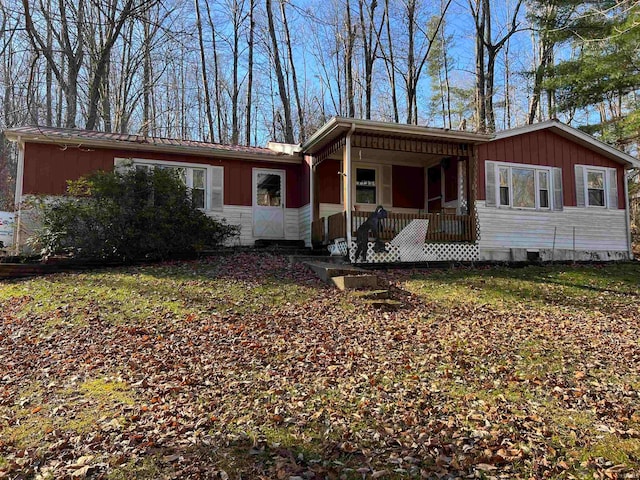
<point>543,147</point>
<point>328,181</point>
<point>48,167</point>
<point>408,186</point>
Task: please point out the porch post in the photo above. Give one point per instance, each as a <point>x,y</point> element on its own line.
<point>473,191</point>
<point>17,224</point>
<point>347,182</point>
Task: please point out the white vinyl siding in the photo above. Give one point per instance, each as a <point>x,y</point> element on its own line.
<point>243,217</point>
<point>581,229</point>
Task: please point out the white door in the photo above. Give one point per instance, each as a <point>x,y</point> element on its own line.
<point>268,203</point>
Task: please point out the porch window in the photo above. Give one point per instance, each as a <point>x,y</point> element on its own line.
<point>366,186</point>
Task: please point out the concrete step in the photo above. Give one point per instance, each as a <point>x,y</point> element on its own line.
<point>327,270</point>
<point>350,282</point>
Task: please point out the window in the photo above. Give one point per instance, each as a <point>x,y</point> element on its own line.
<point>523,182</point>
<point>194,179</point>
<point>504,186</point>
<point>205,183</point>
<point>366,185</point>
<point>269,190</point>
<point>522,186</point>
<point>198,187</point>
<point>595,188</point>
<point>543,189</point>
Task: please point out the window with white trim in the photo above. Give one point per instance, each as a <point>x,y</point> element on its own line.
<point>205,182</point>
<point>519,186</point>
<point>366,188</point>
<point>596,186</point>
<point>543,189</point>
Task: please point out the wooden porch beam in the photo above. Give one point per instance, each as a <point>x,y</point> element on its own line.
<point>408,145</point>
<point>329,150</point>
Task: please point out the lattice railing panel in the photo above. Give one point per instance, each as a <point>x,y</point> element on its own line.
<point>427,252</point>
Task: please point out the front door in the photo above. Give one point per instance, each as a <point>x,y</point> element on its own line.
<point>268,203</point>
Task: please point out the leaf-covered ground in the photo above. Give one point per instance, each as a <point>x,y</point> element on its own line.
<point>245,367</point>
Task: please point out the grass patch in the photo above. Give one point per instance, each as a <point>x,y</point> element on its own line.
<point>619,451</point>
<point>149,467</point>
<point>580,287</point>
<point>77,409</point>
<point>106,391</point>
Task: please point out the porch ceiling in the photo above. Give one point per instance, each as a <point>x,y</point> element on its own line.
<point>387,157</point>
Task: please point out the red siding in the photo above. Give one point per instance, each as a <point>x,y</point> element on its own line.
<point>48,167</point>
<point>328,181</point>
<point>543,147</point>
<point>408,187</point>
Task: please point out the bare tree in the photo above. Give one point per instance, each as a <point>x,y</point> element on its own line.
<point>282,87</point>
<point>349,39</point>
<point>250,42</point>
<point>390,65</point>
<point>487,48</point>
<point>370,33</point>
<point>70,43</point>
<point>294,78</point>
<point>416,61</point>
<point>203,65</point>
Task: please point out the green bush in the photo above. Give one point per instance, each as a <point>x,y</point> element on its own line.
<point>126,216</point>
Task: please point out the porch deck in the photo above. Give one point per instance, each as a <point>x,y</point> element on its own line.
<point>443,227</point>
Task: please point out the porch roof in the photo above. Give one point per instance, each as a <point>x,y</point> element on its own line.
<point>338,127</point>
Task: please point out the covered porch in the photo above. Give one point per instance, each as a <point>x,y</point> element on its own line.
<point>426,179</point>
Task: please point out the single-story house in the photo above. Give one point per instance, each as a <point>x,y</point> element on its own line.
<point>545,191</point>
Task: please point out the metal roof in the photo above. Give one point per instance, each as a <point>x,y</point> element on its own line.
<point>91,138</point>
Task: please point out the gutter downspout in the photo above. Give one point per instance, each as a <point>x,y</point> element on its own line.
<point>312,213</point>
<point>347,182</point>
<point>626,216</point>
<point>18,196</point>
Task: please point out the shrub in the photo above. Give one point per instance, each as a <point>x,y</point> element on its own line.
<point>125,216</point>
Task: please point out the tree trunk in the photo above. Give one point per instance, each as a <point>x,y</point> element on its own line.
<point>282,88</point>
<point>115,26</point>
<point>294,78</point>
<point>348,61</point>
<point>252,26</point>
<point>391,66</point>
<point>216,75</point>
<point>203,64</point>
